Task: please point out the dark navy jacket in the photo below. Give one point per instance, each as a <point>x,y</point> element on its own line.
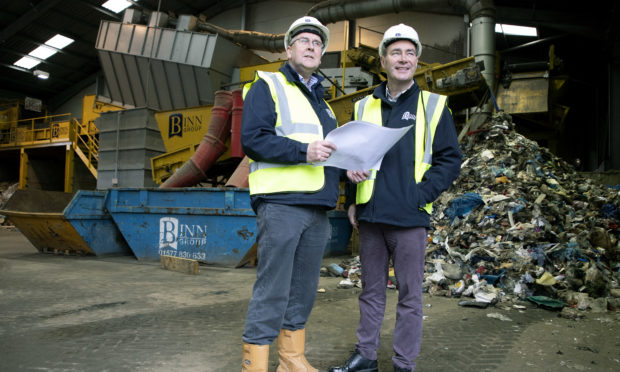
<point>397,198</point>
<point>260,142</point>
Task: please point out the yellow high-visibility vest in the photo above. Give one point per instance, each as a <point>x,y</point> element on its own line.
<point>297,120</point>
<point>430,107</point>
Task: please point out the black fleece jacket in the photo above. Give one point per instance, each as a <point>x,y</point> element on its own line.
<point>397,198</point>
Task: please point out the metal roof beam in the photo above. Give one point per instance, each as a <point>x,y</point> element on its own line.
<point>26,19</point>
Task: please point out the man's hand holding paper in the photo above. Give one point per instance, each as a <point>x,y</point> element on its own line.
<point>361,145</point>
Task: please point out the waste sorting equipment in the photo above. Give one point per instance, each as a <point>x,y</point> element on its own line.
<point>210,225</point>
<point>58,222</point>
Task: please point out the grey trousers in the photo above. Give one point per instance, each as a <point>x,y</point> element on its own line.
<point>291,241</point>
<point>407,247</point>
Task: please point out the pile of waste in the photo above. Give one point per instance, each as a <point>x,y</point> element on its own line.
<point>521,224</point>
<point>6,191</point>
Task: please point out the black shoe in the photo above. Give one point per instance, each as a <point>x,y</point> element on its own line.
<point>401,369</point>
<point>357,363</point>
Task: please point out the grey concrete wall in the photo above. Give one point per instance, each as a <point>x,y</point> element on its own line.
<point>74,105</point>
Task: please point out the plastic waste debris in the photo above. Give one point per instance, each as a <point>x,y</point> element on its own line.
<point>546,302</point>
<point>438,275</point>
<point>335,269</point>
<point>481,305</point>
<point>546,279</point>
<point>346,284</point>
<point>462,206</point>
<point>499,316</point>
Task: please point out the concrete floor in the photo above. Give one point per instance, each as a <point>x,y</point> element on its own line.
<point>71,313</point>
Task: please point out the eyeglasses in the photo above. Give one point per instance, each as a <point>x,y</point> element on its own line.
<point>306,42</point>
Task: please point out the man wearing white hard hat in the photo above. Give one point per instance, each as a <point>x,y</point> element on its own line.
<point>391,206</point>
<point>284,123</point>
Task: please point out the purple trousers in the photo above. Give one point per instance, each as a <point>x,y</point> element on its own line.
<point>406,246</point>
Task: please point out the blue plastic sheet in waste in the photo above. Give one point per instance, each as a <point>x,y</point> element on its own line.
<point>462,206</point>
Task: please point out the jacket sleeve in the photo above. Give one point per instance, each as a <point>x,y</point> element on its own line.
<point>446,163</point>
<point>258,136</point>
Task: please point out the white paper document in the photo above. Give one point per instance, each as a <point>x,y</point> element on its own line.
<point>361,145</point>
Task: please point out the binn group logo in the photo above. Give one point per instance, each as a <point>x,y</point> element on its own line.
<point>175,125</point>
<point>179,124</point>
<point>172,234</point>
<point>168,232</point>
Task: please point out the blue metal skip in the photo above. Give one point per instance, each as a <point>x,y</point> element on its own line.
<point>59,222</point>
<point>205,224</point>
<point>91,221</point>
<point>210,225</point>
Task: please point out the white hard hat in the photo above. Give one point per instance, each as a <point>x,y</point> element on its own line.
<point>400,32</point>
<point>307,24</point>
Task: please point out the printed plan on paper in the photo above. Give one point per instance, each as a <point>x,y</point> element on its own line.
<point>361,145</point>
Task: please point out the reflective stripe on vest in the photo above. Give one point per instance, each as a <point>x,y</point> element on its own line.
<point>430,107</point>
<point>301,124</point>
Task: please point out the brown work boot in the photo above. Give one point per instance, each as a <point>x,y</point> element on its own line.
<point>255,358</point>
<point>291,347</point>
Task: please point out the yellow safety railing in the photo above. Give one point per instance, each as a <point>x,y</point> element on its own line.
<point>45,129</point>
<point>86,144</point>
<point>53,129</point>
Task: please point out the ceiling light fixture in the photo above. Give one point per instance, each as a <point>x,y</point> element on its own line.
<point>27,62</point>
<point>515,30</point>
<point>41,74</point>
<point>59,41</point>
<point>43,52</point>
<point>116,6</point>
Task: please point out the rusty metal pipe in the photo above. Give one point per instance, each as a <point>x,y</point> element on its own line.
<point>212,146</point>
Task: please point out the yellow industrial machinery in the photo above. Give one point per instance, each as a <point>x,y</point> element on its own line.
<point>246,74</point>
<point>363,56</point>
<point>92,109</point>
<point>182,130</point>
<point>51,135</point>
